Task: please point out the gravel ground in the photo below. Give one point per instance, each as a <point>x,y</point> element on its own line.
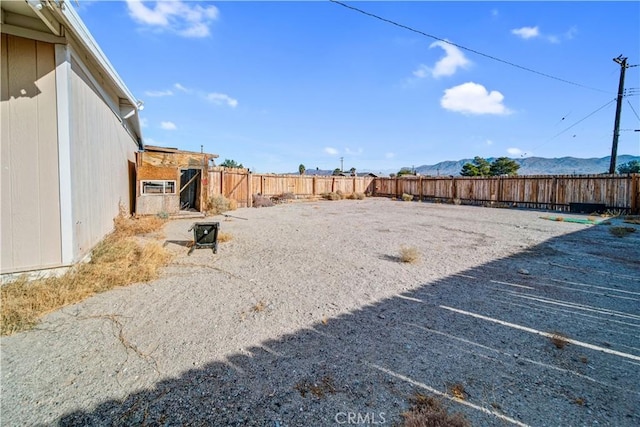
<point>307,318</point>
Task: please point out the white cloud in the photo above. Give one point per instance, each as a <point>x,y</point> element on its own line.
<point>473,98</point>
<point>446,66</point>
<point>221,98</point>
<point>168,126</point>
<point>187,20</point>
<point>526,32</point>
<point>389,155</point>
<point>351,152</point>
<point>330,150</point>
<point>534,32</point>
<point>158,93</point>
<point>181,88</point>
<point>518,152</point>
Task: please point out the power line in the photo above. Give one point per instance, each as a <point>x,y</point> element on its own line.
<point>633,109</point>
<point>466,48</point>
<point>575,124</point>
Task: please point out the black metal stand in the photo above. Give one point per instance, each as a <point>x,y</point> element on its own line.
<point>205,235</point>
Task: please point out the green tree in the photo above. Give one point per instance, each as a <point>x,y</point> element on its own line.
<point>504,166</point>
<point>405,171</point>
<point>353,171</point>
<point>478,167</point>
<point>336,171</point>
<point>301,169</point>
<point>228,163</point>
<point>632,166</point>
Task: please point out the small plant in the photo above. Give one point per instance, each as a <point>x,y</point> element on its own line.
<point>407,197</point>
<point>224,237</point>
<point>621,231</point>
<point>331,196</point>
<point>409,254</point>
<point>559,340</point>
<point>360,196</point>
<point>259,306</point>
<point>457,390</point>
<point>426,411</point>
<point>318,389</point>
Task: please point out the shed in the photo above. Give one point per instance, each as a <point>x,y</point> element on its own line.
<point>171,181</point>
<point>70,133</point>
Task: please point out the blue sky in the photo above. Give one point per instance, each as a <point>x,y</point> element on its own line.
<point>276,84</point>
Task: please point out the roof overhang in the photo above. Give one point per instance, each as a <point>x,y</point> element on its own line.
<point>56,21</point>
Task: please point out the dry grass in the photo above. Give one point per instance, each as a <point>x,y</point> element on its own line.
<point>407,197</point>
<point>220,204</point>
<point>426,411</point>
<point>259,306</point>
<point>559,340</point>
<point>318,389</point>
<point>409,254</point>
<point>224,237</point>
<point>621,231</point>
<point>457,390</point>
<point>331,196</point>
<point>118,260</point>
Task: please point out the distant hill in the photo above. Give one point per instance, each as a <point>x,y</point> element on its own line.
<point>535,166</point>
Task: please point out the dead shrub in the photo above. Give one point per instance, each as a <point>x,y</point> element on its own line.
<point>621,231</point>
<point>125,225</point>
<point>317,388</point>
<point>260,201</point>
<point>224,237</point>
<point>220,204</point>
<point>341,194</point>
<point>457,390</point>
<point>407,197</point>
<point>360,196</point>
<point>287,196</point>
<point>331,196</point>
<point>118,260</point>
<point>409,254</point>
<point>426,411</point>
<point>559,340</point>
<point>259,306</point>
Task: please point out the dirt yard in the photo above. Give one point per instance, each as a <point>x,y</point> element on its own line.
<point>307,317</point>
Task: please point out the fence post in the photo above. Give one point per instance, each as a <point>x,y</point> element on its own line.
<point>222,183</point>
<point>313,186</point>
<point>249,189</point>
<point>635,189</point>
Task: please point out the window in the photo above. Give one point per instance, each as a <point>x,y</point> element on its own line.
<point>158,187</point>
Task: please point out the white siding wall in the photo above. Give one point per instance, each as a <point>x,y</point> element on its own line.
<point>30,212</point>
<point>101,150</point>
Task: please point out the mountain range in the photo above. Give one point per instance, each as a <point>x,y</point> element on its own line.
<point>536,166</point>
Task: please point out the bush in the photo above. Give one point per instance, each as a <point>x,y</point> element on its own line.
<point>407,197</point>
<point>331,196</point>
<point>220,204</point>
<point>409,254</point>
<point>260,201</point>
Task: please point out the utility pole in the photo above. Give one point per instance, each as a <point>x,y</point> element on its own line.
<point>616,126</point>
<point>341,164</point>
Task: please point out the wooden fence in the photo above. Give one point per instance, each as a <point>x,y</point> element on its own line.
<point>552,192</point>
<point>240,185</point>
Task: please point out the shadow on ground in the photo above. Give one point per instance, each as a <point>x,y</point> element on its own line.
<point>485,331</point>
